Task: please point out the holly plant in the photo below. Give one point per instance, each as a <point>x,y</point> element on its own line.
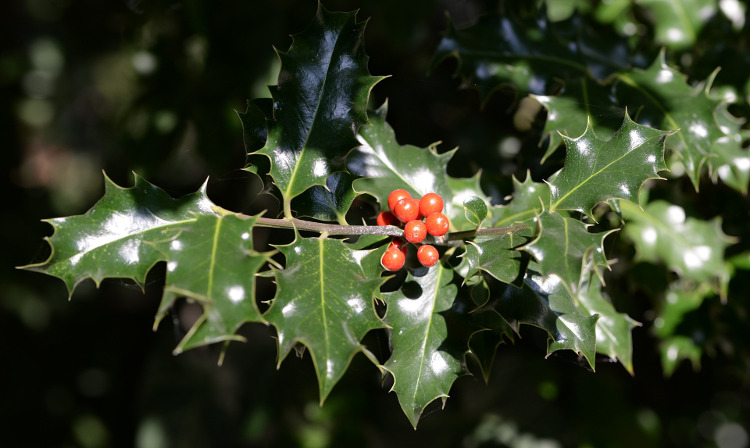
<point>441,269</point>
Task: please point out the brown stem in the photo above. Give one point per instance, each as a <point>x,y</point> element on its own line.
<point>336,229</point>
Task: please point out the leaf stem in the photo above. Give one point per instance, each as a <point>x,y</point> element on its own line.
<point>337,229</point>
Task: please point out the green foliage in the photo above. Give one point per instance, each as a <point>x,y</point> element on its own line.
<point>539,259</point>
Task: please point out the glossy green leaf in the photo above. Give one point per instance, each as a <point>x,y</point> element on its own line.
<point>501,50</point>
<point>530,54</point>
<point>212,261</point>
<point>544,302</point>
<point>663,98</point>
<point>319,103</point>
<point>384,166</point>
<point>329,203</point>
<point>492,330</point>
<point>475,210</point>
<point>494,255</point>
<point>678,23</point>
<point>423,370</point>
<point>691,247</point>
<point>528,201</point>
<point>730,161</point>
<point>596,170</point>
<point>255,134</point>
<point>324,300</point>
<point>676,349</point>
<point>564,245</point>
<point>117,237</point>
<point>613,329</point>
<point>680,299</point>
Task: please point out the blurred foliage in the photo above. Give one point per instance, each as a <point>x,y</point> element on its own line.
<point>152,86</point>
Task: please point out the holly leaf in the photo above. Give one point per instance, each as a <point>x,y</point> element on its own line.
<point>507,50</point>
<point>613,329</point>
<point>324,300</point>
<point>212,261</point>
<point>703,129</point>
<point>496,256</point>
<point>532,54</point>
<point>319,103</point>
<point>423,368</point>
<point>681,298</point>
<point>545,303</point>
<point>117,237</point>
<point>492,331</point>
<point>526,203</point>
<point>596,170</point>
<point>677,24</point>
<point>255,134</point>
<point>475,210</point>
<point>564,245</point>
<point>677,348</point>
<point>384,166</point>
<point>730,161</point>
<point>329,203</point>
<point>691,247</point>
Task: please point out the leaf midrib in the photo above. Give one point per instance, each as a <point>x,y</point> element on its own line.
<point>314,117</point>
<point>212,262</point>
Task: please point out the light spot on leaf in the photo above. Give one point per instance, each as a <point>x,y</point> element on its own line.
<point>171,266</point>
<point>649,235</point>
<point>176,245</point>
<point>672,353</point>
<point>675,214</point>
<point>329,369</point>
<point>129,252</point>
<point>357,304</point>
<point>734,12</point>
<point>675,35</point>
<point>414,308</point>
<point>288,309</point>
<point>699,129</point>
<point>550,282</point>
<point>245,235</point>
<point>320,168</point>
<point>236,293</point>
<point>75,259</point>
<point>664,76</point>
<point>694,258</point>
<point>636,138</point>
<point>437,363</point>
<point>583,147</point>
<point>425,179</point>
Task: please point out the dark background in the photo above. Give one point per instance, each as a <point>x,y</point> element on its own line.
<point>152,87</point>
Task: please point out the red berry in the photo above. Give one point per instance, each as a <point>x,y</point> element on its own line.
<point>415,231</point>
<point>397,196</point>
<point>407,210</point>
<point>393,259</point>
<point>430,203</point>
<point>399,244</point>
<point>427,255</point>
<point>437,224</point>
<point>387,219</point>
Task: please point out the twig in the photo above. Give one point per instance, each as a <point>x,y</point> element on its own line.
<point>336,229</point>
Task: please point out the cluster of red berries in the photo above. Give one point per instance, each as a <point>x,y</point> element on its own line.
<point>405,209</point>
